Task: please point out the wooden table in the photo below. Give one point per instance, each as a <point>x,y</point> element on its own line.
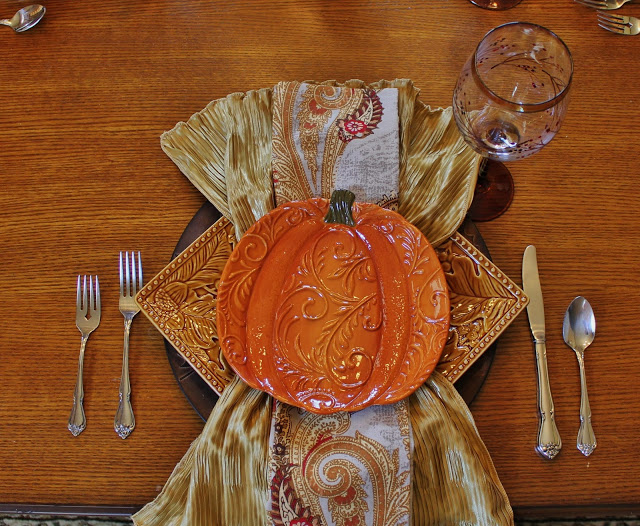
<point>85,96</point>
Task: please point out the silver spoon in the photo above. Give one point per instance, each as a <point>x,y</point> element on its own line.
<point>579,330</point>
<point>26,18</point>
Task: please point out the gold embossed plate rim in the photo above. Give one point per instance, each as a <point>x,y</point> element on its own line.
<point>512,293</point>
<point>202,395</point>
<point>220,229</point>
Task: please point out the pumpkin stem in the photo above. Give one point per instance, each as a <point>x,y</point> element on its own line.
<point>340,208</point>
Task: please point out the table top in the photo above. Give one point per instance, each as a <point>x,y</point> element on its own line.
<point>85,96</point>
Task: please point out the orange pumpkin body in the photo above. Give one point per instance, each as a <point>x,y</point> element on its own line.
<point>331,317</point>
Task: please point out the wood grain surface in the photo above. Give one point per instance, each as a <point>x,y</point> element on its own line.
<point>85,96</point>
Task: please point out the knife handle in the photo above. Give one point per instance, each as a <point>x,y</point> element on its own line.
<point>549,441</point>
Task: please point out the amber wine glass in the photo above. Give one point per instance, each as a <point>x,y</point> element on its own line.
<point>509,102</point>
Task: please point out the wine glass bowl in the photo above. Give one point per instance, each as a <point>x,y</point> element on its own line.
<point>511,96</point>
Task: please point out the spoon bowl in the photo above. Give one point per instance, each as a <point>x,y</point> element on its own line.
<point>579,330</point>
<point>25,18</point>
<point>579,327</point>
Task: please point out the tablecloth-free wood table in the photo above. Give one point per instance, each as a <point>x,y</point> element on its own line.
<point>85,96</point>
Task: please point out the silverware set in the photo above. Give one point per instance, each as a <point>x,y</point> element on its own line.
<point>619,24</point>
<point>579,328</point>
<point>88,308</point>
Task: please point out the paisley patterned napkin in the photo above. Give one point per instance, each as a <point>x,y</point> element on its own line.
<point>327,137</point>
<point>346,468</point>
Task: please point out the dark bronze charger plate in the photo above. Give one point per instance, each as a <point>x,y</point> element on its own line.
<point>203,398</point>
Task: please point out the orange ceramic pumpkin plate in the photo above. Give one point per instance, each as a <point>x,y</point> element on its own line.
<point>333,306</point>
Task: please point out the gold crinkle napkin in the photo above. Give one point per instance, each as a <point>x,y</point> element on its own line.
<point>247,153</point>
<point>223,478</point>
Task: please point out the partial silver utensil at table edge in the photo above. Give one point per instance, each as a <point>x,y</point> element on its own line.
<point>549,441</point>
<point>605,5</point>
<point>578,331</point>
<point>618,24</point>
<point>25,18</point>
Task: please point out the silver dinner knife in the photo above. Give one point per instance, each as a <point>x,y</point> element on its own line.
<point>549,441</point>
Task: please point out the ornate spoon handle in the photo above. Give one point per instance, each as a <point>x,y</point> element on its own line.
<point>77,420</point>
<point>549,441</point>
<point>124,421</point>
<point>586,438</point>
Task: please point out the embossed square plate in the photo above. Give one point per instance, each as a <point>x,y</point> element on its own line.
<point>180,301</point>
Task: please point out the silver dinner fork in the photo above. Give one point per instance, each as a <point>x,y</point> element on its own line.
<point>603,4</point>
<point>87,319</point>
<point>623,25</point>
<point>130,283</point>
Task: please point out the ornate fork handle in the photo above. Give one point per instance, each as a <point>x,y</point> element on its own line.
<point>549,441</point>
<point>77,419</point>
<point>125,422</point>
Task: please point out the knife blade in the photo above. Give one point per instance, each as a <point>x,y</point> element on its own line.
<point>549,441</point>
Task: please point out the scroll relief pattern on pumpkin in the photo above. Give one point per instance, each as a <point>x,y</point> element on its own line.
<point>330,317</point>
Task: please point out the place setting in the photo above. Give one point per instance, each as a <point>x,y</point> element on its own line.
<point>373,288</point>
<point>332,309</point>
<point>317,321</point>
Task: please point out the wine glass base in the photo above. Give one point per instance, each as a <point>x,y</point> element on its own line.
<point>493,194</point>
<point>496,5</point>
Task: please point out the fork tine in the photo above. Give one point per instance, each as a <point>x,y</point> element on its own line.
<point>84,296</point>
<point>614,19</point>
<point>592,3</point>
<point>132,290</point>
<point>98,303</point>
<point>121,276</point>
<point>78,297</point>
<point>612,29</point>
<point>139,271</point>
<point>91,298</point>
<point>127,292</point>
